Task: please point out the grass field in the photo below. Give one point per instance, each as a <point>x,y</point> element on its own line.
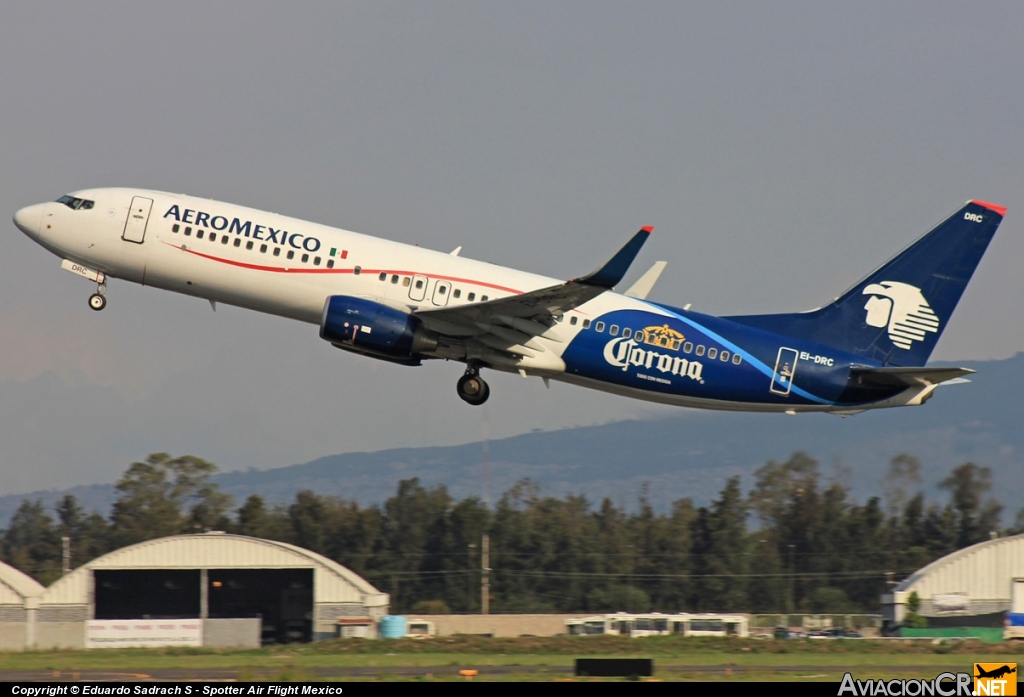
<point>543,658</point>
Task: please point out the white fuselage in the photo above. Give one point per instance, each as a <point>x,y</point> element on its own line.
<point>285,266</point>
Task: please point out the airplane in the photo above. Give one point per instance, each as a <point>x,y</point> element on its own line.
<point>995,673</point>
<point>867,349</point>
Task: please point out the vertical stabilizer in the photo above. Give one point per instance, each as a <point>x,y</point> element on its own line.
<point>897,314</point>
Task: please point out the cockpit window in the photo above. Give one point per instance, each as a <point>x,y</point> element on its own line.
<point>76,204</point>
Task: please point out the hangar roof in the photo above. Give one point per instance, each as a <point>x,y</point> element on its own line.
<point>983,571</point>
<point>332,582</point>
<point>15,586</point>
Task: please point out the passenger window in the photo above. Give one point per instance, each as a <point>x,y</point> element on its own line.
<point>457,293</point>
<point>238,241</point>
<point>248,245</point>
<point>626,332</point>
<point>330,263</point>
<point>305,258</point>
<point>614,330</point>
<point>442,290</point>
<point>277,251</point>
<point>263,249</point>
<point>213,237</point>
<point>291,254</point>
<point>175,227</point>
<point>471,297</point>
<point>224,239</point>
<point>316,261</point>
<point>687,347</point>
<point>586,324</point>
<point>712,352</point>
<point>483,299</point>
<point>199,234</point>
<point>639,336</point>
<point>357,270</point>
<point>572,320</point>
<point>725,356</point>
<point>188,231</point>
<point>406,281</point>
<point>599,327</point>
<point>394,279</point>
<point>700,350</point>
<point>419,284</point>
<point>736,359</point>
<point>383,276</point>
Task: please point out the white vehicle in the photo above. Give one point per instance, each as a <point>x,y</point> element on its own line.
<point>656,624</point>
<point>420,629</point>
<point>1014,623</point>
<point>406,304</point>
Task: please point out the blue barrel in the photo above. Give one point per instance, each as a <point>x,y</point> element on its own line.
<point>392,626</point>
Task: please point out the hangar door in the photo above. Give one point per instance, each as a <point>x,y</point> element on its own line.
<point>282,598</point>
<point>147,594</point>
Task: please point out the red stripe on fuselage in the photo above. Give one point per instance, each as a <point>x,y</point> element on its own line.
<point>281,269</point>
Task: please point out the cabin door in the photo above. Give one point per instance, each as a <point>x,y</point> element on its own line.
<point>138,218</point>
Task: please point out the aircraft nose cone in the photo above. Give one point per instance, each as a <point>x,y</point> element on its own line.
<point>29,218</point>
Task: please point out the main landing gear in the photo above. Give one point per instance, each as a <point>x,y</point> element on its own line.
<point>472,388</point>
<point>98,300</point>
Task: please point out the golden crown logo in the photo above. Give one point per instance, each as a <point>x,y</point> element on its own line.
<point>663,336</point>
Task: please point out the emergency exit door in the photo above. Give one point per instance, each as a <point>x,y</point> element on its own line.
<point>138,218</point>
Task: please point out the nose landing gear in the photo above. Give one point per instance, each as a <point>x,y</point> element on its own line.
<point>472,388</point>
<point>98,300</point>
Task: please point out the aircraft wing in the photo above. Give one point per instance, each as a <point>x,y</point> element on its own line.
<point>906,377</point>
<point>539,307</point>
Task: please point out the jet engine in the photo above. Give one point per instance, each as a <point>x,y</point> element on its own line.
<point>365,326</point>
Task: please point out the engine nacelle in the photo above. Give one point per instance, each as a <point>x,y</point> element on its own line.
<point>365,326</point>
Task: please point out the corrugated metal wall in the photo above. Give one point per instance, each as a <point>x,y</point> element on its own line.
<point>983,571</point>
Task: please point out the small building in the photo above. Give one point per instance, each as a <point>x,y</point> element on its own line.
<point>211,589</point>
<point>19,598</point>
<point>968,588</point>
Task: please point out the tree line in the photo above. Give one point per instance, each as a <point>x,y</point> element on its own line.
<point>794,542</point>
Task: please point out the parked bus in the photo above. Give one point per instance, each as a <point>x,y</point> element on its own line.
<point>656,623</point>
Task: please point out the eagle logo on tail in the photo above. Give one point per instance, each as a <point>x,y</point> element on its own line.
<point>902,309</point>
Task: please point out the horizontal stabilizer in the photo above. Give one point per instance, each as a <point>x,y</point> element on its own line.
<point>645,283</point>
<point>906,377</point>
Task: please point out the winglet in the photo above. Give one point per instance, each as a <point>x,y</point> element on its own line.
<point>645,283</point>
<point>609,274</point>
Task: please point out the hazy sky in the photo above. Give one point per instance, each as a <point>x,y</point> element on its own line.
<point>782,150</point>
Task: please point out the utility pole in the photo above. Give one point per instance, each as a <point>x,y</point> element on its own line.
<point>792,581</point>
<point>65,555</point>
<point>629,586</point>
<point>469,577</point>
<point>485,577</point>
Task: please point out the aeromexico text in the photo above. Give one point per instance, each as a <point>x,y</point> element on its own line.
<point>244,228</point>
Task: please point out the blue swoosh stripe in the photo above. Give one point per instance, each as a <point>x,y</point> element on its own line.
<point>770,372</point>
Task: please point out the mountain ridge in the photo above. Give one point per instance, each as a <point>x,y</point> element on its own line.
<point>689,455</point>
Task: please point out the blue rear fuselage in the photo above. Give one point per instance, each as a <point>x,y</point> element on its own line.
<point>679,353</point>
